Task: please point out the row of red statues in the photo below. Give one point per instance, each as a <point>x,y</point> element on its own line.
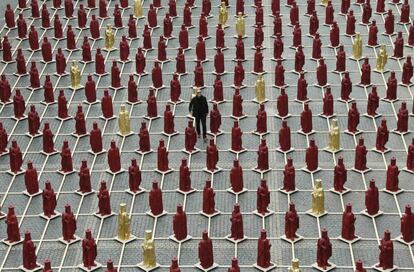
<point>324,246</point>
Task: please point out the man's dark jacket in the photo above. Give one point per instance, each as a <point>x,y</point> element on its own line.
<point>198,106</point>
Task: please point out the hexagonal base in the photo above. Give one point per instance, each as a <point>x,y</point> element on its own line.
<point>66,173</point>
<point>332,151</point>
<point>219,74</point>
<point>20,118</point>
<point>408,170</point>
<point>401,133</point>
<point>53,216</point>
<point>144,73</point>
<point>142,153</point>
<point>377,115</point>
<point>297,238</point>
<point>356,239</point>
<point>385,151</point>
<point>194,151</point>
<point>140,191</point>
<point>282,117</point>
<point>97,265</point>
<point>39,266</point>
<point>164,172</point>
<point>152,118</point>
<point>285,152</point>
<point>288,192</point>
<point>228,238</point>
<point>239,87</point>
<point>356,59</point>
<point>103,216</point>
<point>198,265</point>
<point>353,133</point>
<point>172,237</point>
<point>316,215</point>
<point>237,152</point>
<point>300,131</point>
<point>280,87</point>
<point>61,75</point>
<point>298,72</point>
<point>210,215</point>
<point>49,154</point>
<point>238,118</point>
<point>257,170</point>
<point>97,153</point>
<point>4,241</point>
<point>364,212</point>
<point>170,134</point>
<point>101,75</point>
<point>192,190</point>
<point>311,171</point>
<point>77,239</point>
<point>321,86</point>
<point>330,267</point>
<point>271,267</point>
<point>343,192</point>
<point>260,102</point>
<point>269,212</point>
<point>33,136</point>
<point>377,268</point>
<point>63,119</point>
<point>74,134</point>
<point>326,116</point>
<point>406,85</point>
<point>361,171</point>
<point>399,191</point>
<point>156,216</point>
<point>215,171</point>
<point>134,103</point>
<point>83,194</point>
<point>124,135</point>
<point>307,100</point>
<point>108,50</point>
<point>32,195</point>
<point>260,134</point>
<point>215,134</point>
<point>230,190</point>
<point>131,238</point>
<point>401,240</point>
<point>115,89</point>
<point>15,173</point>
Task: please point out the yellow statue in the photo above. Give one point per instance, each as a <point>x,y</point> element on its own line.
<point>109,37</point>
<point>382,58</point>
<point>324,2</point>
<point>260,89</point>
<point>138,8</point>
<point>75,75</point>
<point>124,223</point>
<point>295,266</point>
<point>318,198</point>
<point>357,47</point>
<point>334,142</point>
<point>148,248</point>
<point>240,29</point>
<point>223,14</point>
<point>124,121</point>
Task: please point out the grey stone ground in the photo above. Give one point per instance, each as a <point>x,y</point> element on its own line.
<point>66,258</point>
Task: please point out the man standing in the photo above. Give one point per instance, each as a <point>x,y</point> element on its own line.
<point>198,109</point>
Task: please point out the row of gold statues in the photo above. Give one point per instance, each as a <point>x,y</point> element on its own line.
<point>382,57</point>
<point>148,245</point>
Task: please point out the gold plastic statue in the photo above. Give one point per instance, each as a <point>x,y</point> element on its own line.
<point>148,248</point>
<point>124,223</point>
<point>334,143</point>
<point>260,89</point>
<point>240,29</point>
<point>324,2</point>
<point>295,266</point>
<point>75,75</point>
<point>318,198</point>
<point>357,47</point>
<point>109,37</point>
<point>124,122</point>
<point>223,15</point>
<point>382,58</point>
<point>138,8</point>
